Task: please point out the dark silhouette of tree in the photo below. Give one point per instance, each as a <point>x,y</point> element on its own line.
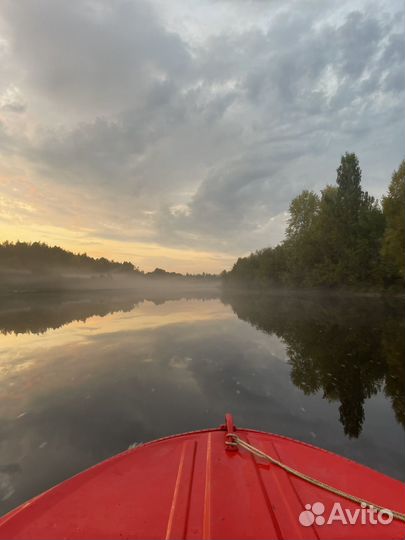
<point>25,265</point>
<point>38,257</point>
<point>349,192</point>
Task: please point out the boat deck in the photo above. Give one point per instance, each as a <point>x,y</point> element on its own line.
<point>190,486</point>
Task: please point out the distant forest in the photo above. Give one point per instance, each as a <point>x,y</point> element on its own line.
<point>38,257</point>
<point>340,238</point>
<point>24,264</point>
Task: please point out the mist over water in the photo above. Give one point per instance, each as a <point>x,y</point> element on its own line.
<point>85,374</point>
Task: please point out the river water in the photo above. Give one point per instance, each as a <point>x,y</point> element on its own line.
<point>85,375</point>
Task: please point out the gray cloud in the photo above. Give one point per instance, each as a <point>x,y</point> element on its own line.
<point>211,135</point>
<point>13,106</point>
<point>91,54</point>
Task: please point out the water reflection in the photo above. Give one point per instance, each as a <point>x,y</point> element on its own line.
<point>114,369</point>
<point>38,312</point>
<point>350,349</point>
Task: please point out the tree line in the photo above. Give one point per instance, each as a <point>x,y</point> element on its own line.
<point>40,259</point>
<point>342,237</point>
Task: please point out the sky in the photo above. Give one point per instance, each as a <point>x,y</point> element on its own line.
<point>175,134</point>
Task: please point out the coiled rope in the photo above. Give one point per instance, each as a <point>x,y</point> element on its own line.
<point>237,441</point>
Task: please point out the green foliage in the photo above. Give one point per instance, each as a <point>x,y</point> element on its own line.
<point>340,238</point>
<point>394,237</point>
<point>349,192</point>
<point>303,212</point>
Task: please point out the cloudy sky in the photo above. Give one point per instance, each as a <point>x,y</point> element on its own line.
<point>175,133</point>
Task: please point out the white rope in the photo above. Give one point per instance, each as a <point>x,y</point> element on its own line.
<point>237,441</point>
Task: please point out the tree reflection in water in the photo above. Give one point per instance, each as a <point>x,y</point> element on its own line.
<point>347,348</point>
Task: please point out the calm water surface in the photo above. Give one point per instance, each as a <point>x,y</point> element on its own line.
<point>85,375</point>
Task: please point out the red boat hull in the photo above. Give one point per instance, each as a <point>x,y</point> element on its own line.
<point>189,486</point>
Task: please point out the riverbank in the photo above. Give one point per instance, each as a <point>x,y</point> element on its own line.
<point>343,292</point>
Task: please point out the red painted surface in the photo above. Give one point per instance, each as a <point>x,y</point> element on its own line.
<point>189,486</point>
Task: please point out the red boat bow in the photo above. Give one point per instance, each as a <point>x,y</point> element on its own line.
<point>192,486</point>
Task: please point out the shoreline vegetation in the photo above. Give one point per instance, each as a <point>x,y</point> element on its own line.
<point>37,267</point>
<point>342,240</point>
